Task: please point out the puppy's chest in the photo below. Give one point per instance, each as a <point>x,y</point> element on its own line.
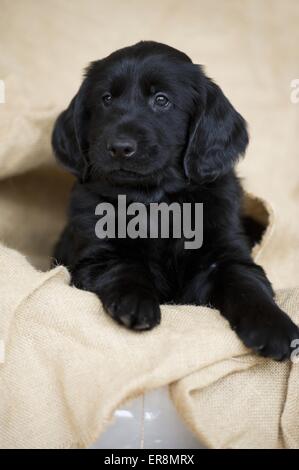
<point>169,226</point>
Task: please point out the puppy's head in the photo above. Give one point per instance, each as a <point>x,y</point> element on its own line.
<point>144,110</point>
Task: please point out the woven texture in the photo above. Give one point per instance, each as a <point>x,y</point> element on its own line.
<point>67,365</point>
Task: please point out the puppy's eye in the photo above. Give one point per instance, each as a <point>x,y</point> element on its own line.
<point>107,99</point>
<point>161,100</point>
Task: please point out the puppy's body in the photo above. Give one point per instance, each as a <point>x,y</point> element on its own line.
<point>148,124</point>
<point>171,266</point>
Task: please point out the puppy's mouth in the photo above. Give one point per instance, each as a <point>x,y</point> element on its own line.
<point>126,173</point>
<point>122,176</point>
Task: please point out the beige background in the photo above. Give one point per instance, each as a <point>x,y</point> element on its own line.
<point>62,377</point>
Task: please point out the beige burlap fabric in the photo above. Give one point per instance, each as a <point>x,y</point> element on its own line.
<point>67,365</point>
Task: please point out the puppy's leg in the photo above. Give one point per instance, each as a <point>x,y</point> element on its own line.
<point>239,288</point>
<point>125,289</point>
<point>243,294</point>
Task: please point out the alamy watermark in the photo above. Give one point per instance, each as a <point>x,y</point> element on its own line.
<point>295,91</point>
<point>2,91</point>
<point>155,220</point>
<point>295,352</point>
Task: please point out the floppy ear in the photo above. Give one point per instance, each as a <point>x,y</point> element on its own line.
<point>69,137</point>
<point>218,136</point>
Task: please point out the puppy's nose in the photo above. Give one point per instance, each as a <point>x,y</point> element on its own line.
<point>122,148</point>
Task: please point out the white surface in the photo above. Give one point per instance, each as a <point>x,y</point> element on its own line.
<point>149,422</point>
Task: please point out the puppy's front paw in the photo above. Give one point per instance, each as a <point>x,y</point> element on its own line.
<point>135,311</point>
<point>268,331</point>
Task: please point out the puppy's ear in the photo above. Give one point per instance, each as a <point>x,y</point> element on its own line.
<point>69,137</point>
<point>218,136</point>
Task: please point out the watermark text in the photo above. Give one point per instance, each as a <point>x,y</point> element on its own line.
<point>155,220</point>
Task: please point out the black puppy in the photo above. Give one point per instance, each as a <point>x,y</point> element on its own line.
<point>147,123</point>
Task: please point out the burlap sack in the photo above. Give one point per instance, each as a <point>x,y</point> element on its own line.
<point>67,365</point>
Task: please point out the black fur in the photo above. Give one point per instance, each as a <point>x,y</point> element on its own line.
<point>185,151</point>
